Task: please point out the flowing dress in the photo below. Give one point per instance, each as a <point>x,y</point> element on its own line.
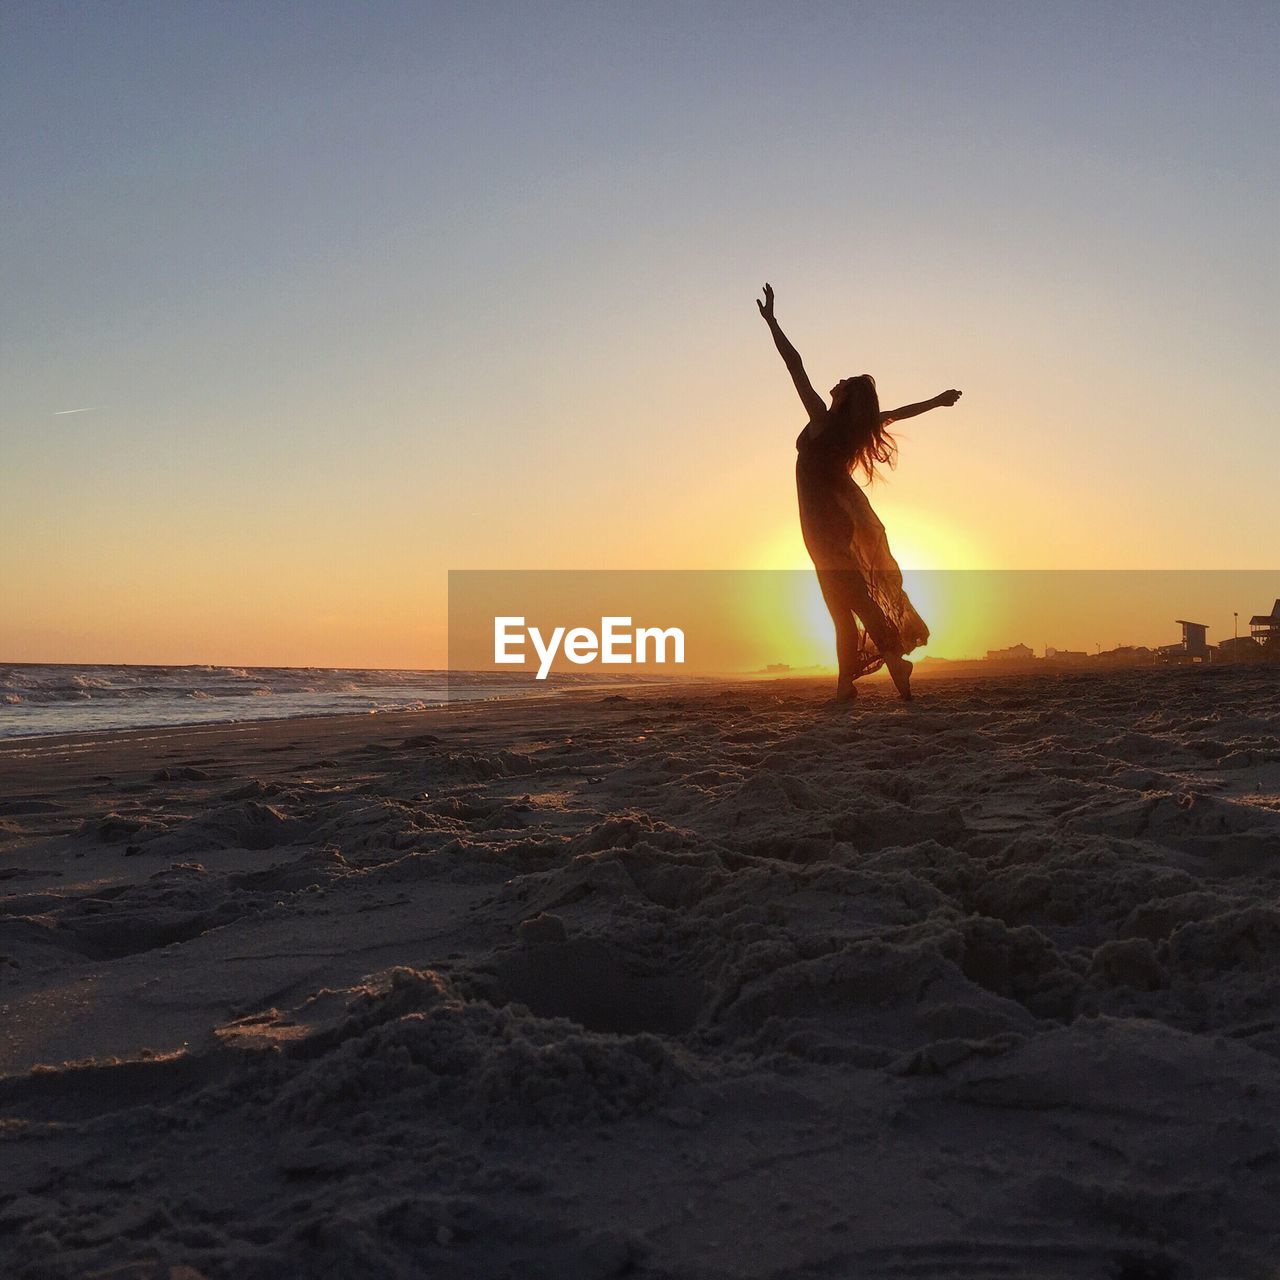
<point>850,550</point>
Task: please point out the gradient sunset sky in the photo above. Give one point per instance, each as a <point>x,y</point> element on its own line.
<point>357,294</point>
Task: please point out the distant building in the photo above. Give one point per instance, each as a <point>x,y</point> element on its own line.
<point>1266,626</point>
<point>1194,636</point>
<point>1127,655</point>
<point>1065,655</point>
<point>1240,649</point>
<point>1015,653</point>
<point>1194,647</point>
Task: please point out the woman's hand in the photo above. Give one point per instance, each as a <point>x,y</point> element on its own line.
<point>766,307</point>
<point>946,399</point>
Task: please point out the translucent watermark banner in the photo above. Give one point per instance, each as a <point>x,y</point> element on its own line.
<point>530,631</point>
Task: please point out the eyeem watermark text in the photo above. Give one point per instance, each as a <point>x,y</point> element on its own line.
<point>616,643</point>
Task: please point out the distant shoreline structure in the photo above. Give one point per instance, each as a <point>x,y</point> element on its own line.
<point>1262,644</point>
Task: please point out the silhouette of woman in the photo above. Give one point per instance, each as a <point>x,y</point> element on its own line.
<point>859,577</point>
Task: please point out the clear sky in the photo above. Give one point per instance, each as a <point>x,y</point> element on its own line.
<point>360,293</point>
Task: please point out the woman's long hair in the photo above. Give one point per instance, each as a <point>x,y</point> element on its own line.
<point>858,433</point>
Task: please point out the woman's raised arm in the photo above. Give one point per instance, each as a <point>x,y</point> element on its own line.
<point>814,404</point>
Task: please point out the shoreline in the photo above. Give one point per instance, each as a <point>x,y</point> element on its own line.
<point>939,670</point>
<point>425,704</point>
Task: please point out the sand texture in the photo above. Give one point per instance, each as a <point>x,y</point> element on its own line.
<point>718,983</point>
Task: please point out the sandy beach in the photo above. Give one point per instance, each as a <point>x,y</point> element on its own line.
<point>705,983</point>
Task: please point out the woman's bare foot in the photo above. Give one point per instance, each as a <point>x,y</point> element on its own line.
<point>900,669</point>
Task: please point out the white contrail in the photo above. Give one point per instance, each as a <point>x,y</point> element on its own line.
<point>60,413</point>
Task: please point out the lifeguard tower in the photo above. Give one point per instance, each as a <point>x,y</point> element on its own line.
<point>1194,647</point>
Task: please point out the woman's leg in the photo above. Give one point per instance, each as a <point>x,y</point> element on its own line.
<point>887,640</point>
<point>839,602</point>
<point>845,591</point>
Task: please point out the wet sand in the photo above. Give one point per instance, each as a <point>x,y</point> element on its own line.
<point>706,983</point>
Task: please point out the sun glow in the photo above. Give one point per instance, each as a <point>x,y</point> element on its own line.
<point>918,541</point>
<point>788,607</point>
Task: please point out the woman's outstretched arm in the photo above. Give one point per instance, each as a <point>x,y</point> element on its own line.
<point>814,404</point>
<point>943,400</point>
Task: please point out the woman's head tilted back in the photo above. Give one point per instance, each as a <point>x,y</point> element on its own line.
<point>854,422</point>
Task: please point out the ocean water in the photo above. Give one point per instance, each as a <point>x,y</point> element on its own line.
<point>40,699</point>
